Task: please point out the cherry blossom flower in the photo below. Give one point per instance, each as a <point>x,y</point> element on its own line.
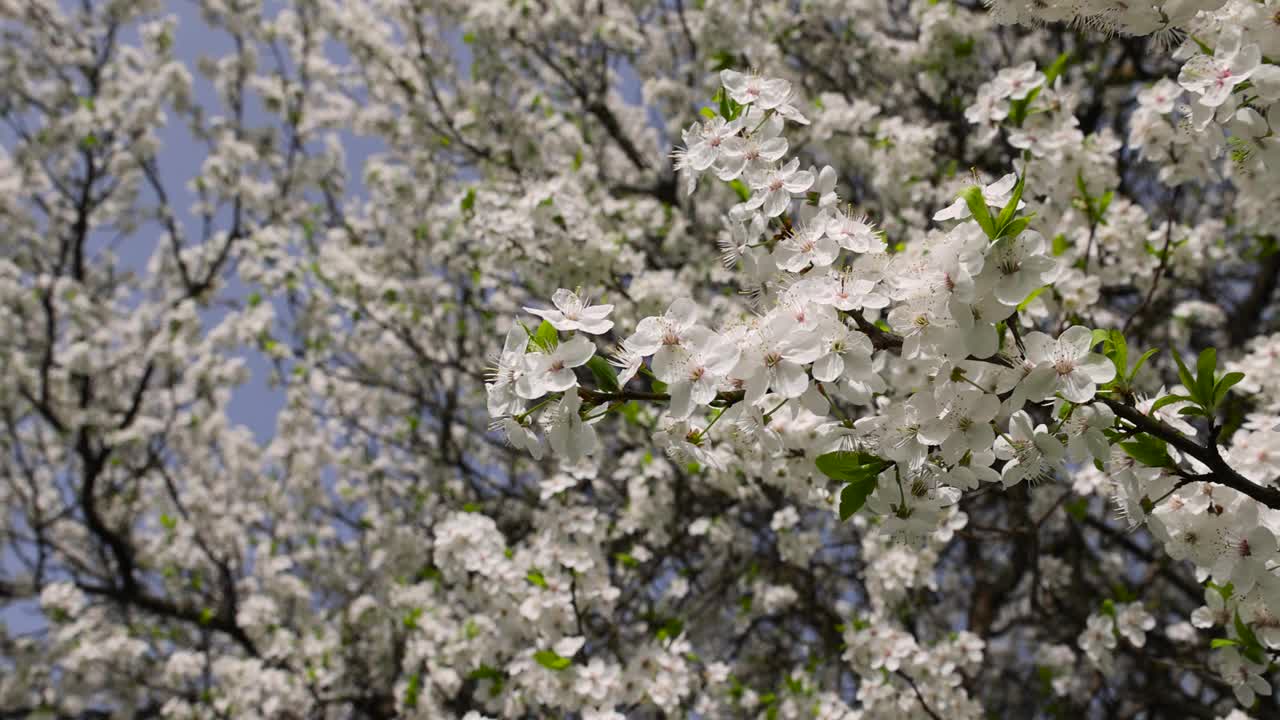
<point>1030,453</point>
<point>553,371</point>
<point>1079,370</point>
<point>752,89</point>
<point>573,313</point>
<point>1214,77</point>
<point>775,188</point>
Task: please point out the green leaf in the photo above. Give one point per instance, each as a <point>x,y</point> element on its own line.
<point>1148,450</point>
<point>1083,187</point>
<point>410,620</point>
<point>1184,376</point>
<point>1034,294</point>
<point>972,197</point>
<point>1224,384</point>
<point>469,200</point>
<point>744,193</point>
<point>729,109</point>
<point>537,578</point>
<point>707,113</point>
<point>1060,244</point>
<point>1104,202</point>
<point>1007,214</point>
<point>854,495</point>
<point>551,660</point>
<point>1018,108</point>
<point>1252,648</point>
<point>721,60</point>
<point>670,630</point>
<point>1015,227</point>
<point>605,376</point>
<point>1225,591</point>
<point>848,466</point>
<point>546,336</point>
<point>1205,366</point>
<point>1222,642</point>
<point>1142,361</point>
<point>412,691</point>
<point>1168,400</point>
<point>1117,348</point>
<point>1054,70</point>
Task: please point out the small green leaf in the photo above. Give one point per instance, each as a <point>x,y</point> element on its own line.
<point>1148,450</point>
<point>739,187</point>
<point>1007,214</point>
<point>707,113</point>
<point>973,198</point>
<point>1222,642</point>
<point>670,630</point>
<point>1168,400</point>
<point>1104,202</point>
<point>1034,294</point>
<point>605,376</point>
<point>854,495</point>
<point>1142,361</point>
<point>1224,384</point>
<point>469,200</point>
<point>847,466</point>
<point>1184,376</point>
<point>537,578</point>
<point>1205,366</point>
<point>1225,591</point>
<point>551,660</point>
<point>546,336</point>
<point>410,620</point>
<point>1015,227</point>
<point>729,109</point>
<point>1117,348</point>
<point>412,690</point>
<point>1252,648</point>
<point>1054,70</point>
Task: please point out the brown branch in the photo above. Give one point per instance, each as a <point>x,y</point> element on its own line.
<point>1220,472</point>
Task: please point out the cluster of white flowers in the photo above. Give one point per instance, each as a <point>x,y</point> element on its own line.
<point>836,309</point>
<point>862,422</point>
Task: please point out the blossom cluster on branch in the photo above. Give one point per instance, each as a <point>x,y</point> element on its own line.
<point>884,359</point>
